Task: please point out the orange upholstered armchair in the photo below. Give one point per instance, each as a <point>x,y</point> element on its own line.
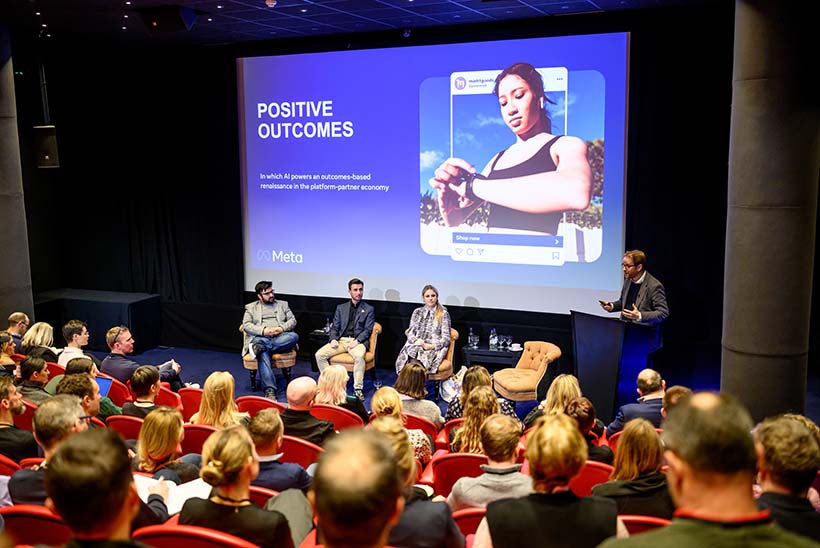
<point>520,383</point>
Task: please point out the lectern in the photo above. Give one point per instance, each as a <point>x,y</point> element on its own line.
<point>609,353</point>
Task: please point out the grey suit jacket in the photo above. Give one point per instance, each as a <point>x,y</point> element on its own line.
<point>365,318</point>
<point>252,321</point>
<point>650,301</point>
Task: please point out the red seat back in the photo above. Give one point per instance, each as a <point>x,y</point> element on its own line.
<point>191,398</point>
<point>127,427</point>
<point>18,357</point>
<point>195,436</point>
<point>443,438</point>
<point>118,393</point>
<point>26,420</point>
<point>169,398</point>
<point>7,466</point>
<point>253,404</point>
<point>300,451</point>
<point>189,536</point>
<point>54,369</point>
<point>414,422</point>
<point>593,473</point>
<point>261,495</point>
<point>638,524</point>
<point>468,519</point>
<point>447,469</point>
<point>340,417</point>
<point>31,462</point>
<point>33,524</point>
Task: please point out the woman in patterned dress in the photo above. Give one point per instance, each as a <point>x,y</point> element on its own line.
<point>428,337</point>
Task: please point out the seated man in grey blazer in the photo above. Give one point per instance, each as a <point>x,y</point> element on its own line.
<point>352,326</point>
<point>268,324</point>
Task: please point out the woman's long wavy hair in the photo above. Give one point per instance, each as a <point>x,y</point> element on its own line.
<point>481,404</point>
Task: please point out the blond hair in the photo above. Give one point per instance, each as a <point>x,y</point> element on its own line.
<point>639,451</point>
<point>386,403</point>
<point>332,385</point>
<point>556,451</point>
<point>396,434</point>
<point>480,404</point>
<point>439,308</point>
<point>476,375</point>
<point>218,408</point>
<point>39,334</point>
<point>225,454</point>
<point>159,437</point>
<point>563,389</point>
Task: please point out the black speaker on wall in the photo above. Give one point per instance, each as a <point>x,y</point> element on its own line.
<point>45,146</point>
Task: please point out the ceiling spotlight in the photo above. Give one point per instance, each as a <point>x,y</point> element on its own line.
<point>271,3</point>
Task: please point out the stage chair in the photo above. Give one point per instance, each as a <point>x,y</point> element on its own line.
<point>520,383</point>
<point>445,369</point>
<point>261,495</point>
<point>346,360</point>
<point>7,466</point>
<point>169,398</point>
<point>277,361</point>
<point>25,421</point>
<point>54,369</point>
<point>414,422</point>
<point>340,417</point>
<point>447,469</point>
<point>195,436</point>
<point>593,473</point>
<point>253,404</point>
<point>300,451</point>
<point>189,536</point>
<point>191,398</point>
<point>34,524</point>
<point>468,519</point>
<point>126,426</point>
<point>443,438</point>
<point>638,524</point>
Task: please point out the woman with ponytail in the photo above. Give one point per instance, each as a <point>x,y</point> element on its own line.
<point>428,337</point>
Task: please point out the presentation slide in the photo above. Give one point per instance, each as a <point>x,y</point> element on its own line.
<point>493,170</point>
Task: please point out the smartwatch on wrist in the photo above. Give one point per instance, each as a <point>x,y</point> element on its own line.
<point>468,190</point>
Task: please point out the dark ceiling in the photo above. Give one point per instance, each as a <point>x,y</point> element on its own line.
<point>236,21</point>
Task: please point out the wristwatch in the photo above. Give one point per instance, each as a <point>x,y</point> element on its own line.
<point>468,190</point>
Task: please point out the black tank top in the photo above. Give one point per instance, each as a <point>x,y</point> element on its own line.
<point>504,217</point>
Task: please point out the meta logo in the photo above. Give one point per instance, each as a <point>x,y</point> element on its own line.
<point>273,256</point>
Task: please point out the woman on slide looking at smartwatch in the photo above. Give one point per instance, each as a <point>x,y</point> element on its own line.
<point>531,183</point>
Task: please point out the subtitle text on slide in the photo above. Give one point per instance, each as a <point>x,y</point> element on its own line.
<point>320,182</point>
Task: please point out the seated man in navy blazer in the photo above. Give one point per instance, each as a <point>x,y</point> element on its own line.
<point>352,326</point>
<point>651,388</point>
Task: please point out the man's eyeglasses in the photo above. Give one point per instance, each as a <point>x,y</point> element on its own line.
<point>85,418</point>
<point>628,266</point>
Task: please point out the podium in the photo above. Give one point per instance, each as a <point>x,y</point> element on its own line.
<point>609,353</point>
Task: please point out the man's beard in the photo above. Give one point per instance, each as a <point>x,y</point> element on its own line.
<point>19,410</point>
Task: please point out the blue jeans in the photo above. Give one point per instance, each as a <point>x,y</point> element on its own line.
<point>283,342</point>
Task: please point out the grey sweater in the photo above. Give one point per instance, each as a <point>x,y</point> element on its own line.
<point>494,484</point>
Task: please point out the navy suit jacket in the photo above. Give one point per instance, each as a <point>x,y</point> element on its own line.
<point>646,409</point>
<point>365,318</point>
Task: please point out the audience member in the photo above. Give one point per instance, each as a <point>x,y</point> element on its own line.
<point>410,384</point>
<point>333,391</point>
<point>711,458</point>
<point>54,421</point>
<point>268,325</point>
<point>481,404</point>
<point>651,390</point>
<point>387,403</point>
<point>7,348</point>
<point>563,389</point>
<point>121,342</point>
<point>350,332</point>
<point>230,464</point>
<point>672,396</point>
<point>582,410</point>
<point>37,342</point>
<point>356,493</point>
<point>218,407</point>
<point>33,379</point>
<point>76,335</point>
<point>158,446</point>
<point>145,384</point>
<point>90,486</point>
<point>475,376</point>
<point>18,324</point>
<point>266,430</point>
<point>502,478</point>
<point>84,388</point>
<point>788,458</point>
<point>423,524</point>
<point>637,484</point>
<point>553,515</point>
<point>86,366</point>
<point>297,418</point>
<point>15,443</point>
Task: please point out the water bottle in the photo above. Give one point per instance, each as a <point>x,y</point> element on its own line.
<point>327,324</point>
<point>471,339</point>
<point>493,339</point>
<point>476,340</point>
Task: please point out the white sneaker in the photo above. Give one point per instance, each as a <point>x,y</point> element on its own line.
<point>191,385</point>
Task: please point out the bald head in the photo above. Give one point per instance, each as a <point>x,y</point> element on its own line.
<point>649,382</point>
<point>301,392</point>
